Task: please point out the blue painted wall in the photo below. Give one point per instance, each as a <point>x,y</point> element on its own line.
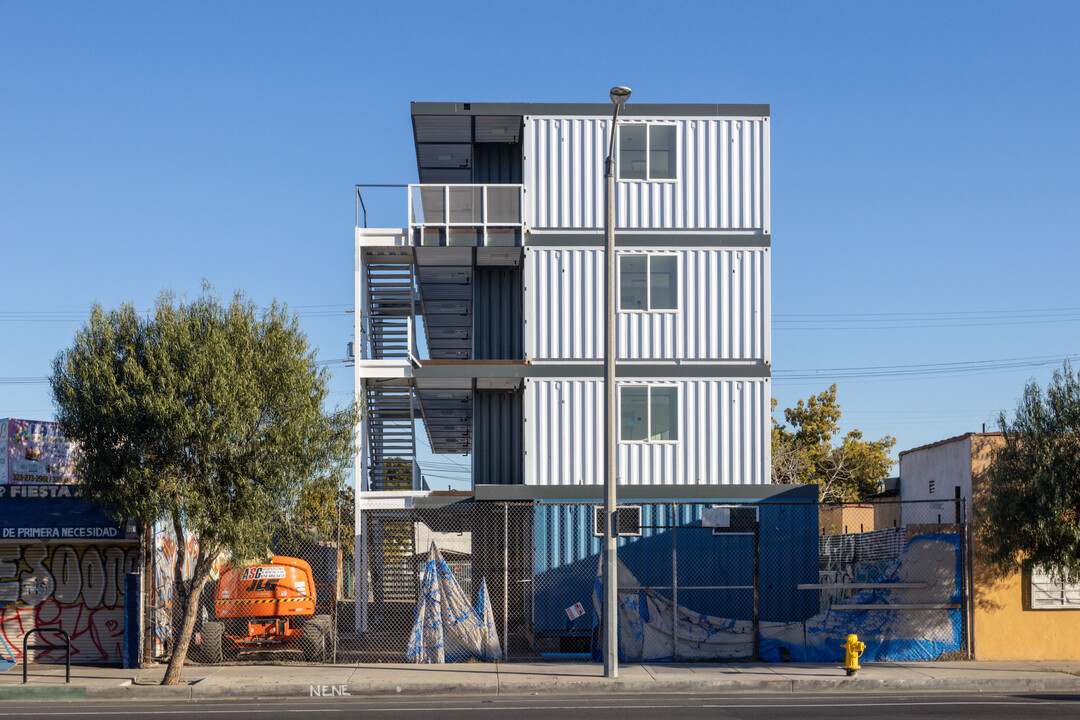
<point>566,557</point>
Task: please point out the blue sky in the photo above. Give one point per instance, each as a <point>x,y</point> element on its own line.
<point>924,166</point>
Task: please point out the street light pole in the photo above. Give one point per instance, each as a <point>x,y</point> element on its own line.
<point>610,580</point>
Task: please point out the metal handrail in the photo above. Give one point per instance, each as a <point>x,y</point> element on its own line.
<point>360,198</point>
<point>39,631</point>
<point>361,206</point>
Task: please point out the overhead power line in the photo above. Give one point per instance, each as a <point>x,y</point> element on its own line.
<point>972,367</point>
<point>924,320</point>
<point>40,316</point>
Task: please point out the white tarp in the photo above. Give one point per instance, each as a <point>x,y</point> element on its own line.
<point>447,628</point>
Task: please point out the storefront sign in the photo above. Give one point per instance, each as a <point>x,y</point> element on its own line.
<point>45,512</point>
<point>35,451</point>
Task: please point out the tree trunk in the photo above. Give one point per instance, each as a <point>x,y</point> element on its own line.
<point>181,586</point>
<point>203,566</point>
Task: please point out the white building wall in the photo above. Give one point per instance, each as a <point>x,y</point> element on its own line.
<point>948,464</point>
<point>722,183</point>
<point>723,435</point>
<point>722,314</point>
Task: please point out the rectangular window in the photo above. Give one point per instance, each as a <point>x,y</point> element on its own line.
<point>648,282</point>
<point>647,151</point>
<point>648,413</point>
<point>1050,593</point>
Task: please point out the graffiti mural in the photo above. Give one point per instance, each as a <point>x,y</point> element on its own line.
<point>164,582</point>
<point>75,588</point>
<point>855,558</point>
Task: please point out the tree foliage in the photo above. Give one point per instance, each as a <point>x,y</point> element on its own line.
<point>1031,500</point>
<point>203,415</point>
<point>847,472</point>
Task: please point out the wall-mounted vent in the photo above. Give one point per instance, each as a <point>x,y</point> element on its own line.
<point>629,520</point>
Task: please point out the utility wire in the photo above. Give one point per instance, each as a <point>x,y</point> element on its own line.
<point>976,367</point>
<point>327,310</point>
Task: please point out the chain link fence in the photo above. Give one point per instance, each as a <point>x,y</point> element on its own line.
<point>705,581</point>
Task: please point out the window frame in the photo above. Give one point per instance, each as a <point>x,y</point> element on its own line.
<point>647,440</point>
<point>648,282</point>
<point>1060,586</point>
<point>648,151</point>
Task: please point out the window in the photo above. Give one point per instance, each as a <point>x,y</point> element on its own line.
<point>931,487</point>
<point>647,152</point>
<point>648,413</point>
<point>648,282</point>
<point>1053,593</point>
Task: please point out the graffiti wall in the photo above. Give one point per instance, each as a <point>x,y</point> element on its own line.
<point>163,595</point>
<point>855,558</point>
<point>71,587</point>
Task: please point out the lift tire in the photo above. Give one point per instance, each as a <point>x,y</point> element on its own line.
<point>213,638</point>
<point>316,640</point>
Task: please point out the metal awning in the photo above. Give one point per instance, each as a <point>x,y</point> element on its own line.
<point>444,143</point>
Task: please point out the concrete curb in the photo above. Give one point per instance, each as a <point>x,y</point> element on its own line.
<point>43,692</point>
<point>561,687</point>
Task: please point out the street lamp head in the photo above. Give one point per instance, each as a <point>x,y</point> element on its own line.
<point>619,94</point>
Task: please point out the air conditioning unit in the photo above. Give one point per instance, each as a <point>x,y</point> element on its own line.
<point>629,520</point>
<point>730,519</point>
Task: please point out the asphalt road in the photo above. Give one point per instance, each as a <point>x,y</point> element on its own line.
<point>944,706</point>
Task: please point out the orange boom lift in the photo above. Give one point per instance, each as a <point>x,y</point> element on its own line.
<point>266,605</point>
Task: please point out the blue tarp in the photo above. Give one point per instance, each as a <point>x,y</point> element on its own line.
<point>649,623</point>
<point>891,635</point>
<point>447,628</point>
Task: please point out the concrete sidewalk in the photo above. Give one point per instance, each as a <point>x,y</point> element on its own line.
<point>46,682</point>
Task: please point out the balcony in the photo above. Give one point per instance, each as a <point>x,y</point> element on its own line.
<point>456,215</point>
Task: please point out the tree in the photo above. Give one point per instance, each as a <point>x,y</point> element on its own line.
<point>847,472</point>
<point>206,416</point>
<point>1031,498</point>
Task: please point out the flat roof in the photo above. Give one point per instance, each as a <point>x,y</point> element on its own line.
<point>690,493</point>
<point>946,441</point>
<point>630,109</point>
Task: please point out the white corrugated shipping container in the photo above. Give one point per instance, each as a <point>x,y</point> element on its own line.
<point>723,435</point>
<point>722,313</point>
<point>722,176</point>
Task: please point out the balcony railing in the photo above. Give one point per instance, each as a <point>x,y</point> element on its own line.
<point>467,215</point>
<point>462,215</point>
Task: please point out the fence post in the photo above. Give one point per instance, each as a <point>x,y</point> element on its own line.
<point>757,548</point>
<point>966,598</point>
<point>506,578</point>
<point>674,586</point>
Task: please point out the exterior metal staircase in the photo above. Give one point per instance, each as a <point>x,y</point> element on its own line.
<point>391,437</point>
<point>391,307</point>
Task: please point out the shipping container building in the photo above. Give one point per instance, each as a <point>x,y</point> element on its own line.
<point>479,321</point>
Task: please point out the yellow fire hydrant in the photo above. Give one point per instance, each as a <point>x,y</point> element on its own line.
<point>852,650</point>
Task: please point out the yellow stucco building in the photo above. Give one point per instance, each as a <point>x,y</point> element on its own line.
<point>1020,616</point>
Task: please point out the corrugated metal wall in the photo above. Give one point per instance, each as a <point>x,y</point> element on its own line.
<point>71,587</point>
<point>497,317</point>
<point>723,435</point>
<point>722,315</point>
<point>566,553</point>
<point>722,176</point>
<point>496,163</point>
<point>497,428</point>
